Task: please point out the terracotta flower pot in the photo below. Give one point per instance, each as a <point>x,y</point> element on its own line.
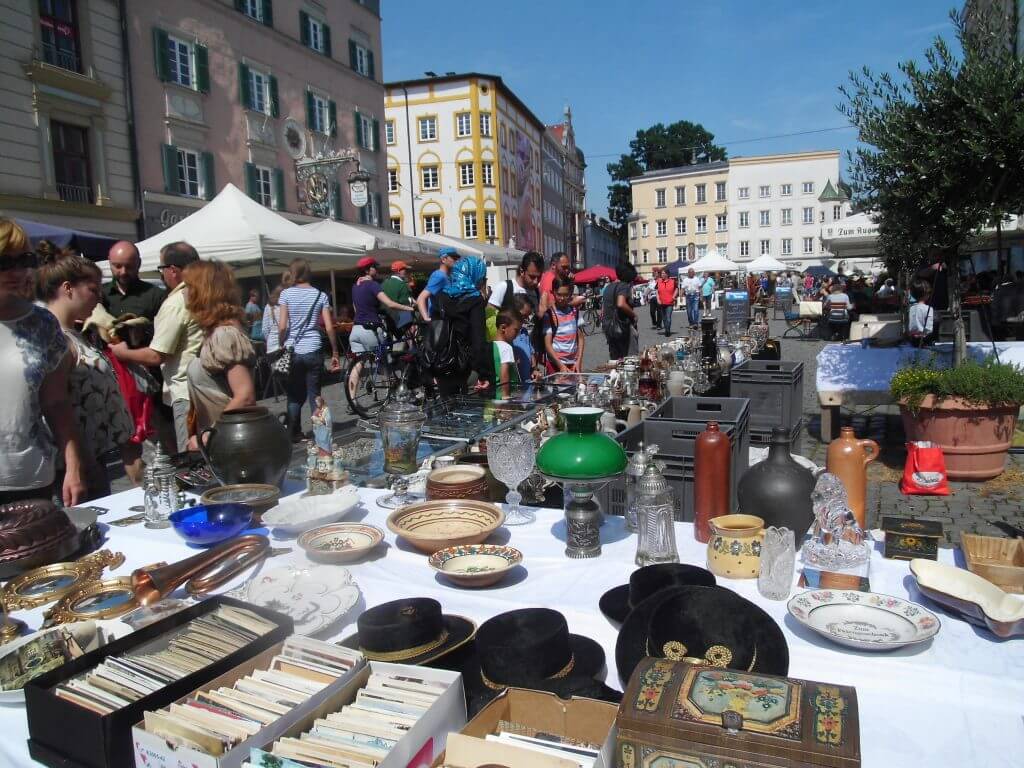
<point>974,438</point>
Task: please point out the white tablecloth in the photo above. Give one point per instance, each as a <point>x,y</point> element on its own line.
<point>955,701</point>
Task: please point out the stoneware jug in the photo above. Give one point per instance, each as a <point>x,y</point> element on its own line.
<point>848,459</point>
<point>734,549</point>
<point>778,489</point>
<point>711,487</point>
<point>247,445</point>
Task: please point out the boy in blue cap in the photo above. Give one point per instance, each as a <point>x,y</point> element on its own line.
<point>437,282</point>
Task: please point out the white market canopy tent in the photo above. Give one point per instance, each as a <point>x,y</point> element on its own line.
<point>713,263</point>
<point>767,264</point>
<point>492,254</point>
<point>237,230</point>
<point>382,244</point>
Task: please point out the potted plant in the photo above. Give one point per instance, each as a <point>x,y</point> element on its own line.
<point>970,411</point>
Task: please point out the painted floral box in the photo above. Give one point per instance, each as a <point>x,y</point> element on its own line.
<point>678,715</point>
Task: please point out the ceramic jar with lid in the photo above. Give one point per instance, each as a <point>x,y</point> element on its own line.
<point>400,424</point>
<point>848,459</point>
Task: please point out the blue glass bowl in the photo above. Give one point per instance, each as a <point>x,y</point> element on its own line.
<point>208,524</point>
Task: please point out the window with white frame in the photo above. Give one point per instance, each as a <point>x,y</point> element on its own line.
<point>659,198</point>
<point>765,218</point>
<point>396,224</point>
<point>723,250</point>
<point>744,220</point>
<point>808,216</point>
<point>389,131</point>
<point>432,223</point>
<point>808,245</point>
<point>744,247</point>
<point>807,187</point>
<point>681,226</point>
<point>188,172</point>
<point>632,231</point>
<point>180,62</point>
<point>643,229</point>
<point>253,9</point>
<point>702,193</point>
<point>720,222</point>
<point>321,113</point>
<point>766,247</point>
<point>315,33</point>
<point>392,179</point>
<point>632,255</point>
<point>661,227</point>
<point>786,190</point>
<point>487,174</point>
<point>464,124</point>
<point>821,215</point>
<point>466,174</point>
<point>469,224</point>
<point>702,251</point>
<point>264,186</point>
<point>428,128</point>
<point>663,255</point>
<point>361,59</point>
<point>429,177</point>
<point>490,225</point>
<point>645,255</point>
<point>787,246</point>
<point>702,224</point>
<point>680,195</point>
<point>837,212</point>
<point>787,216</point>
<point>259,91</point>
<point>485,123</point>
<point>720,191</point>
<point>764,191</point>
<point>680,252</point>
<point>743,193</point>
<point>366,131</point>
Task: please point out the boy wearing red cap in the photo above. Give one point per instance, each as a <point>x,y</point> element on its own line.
<point>396,288</point>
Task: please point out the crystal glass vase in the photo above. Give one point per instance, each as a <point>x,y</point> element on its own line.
<point>778,561</point>
<point>510,458</point>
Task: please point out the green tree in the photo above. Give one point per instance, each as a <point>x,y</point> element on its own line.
<point>653,149</point>
<point>942,148</point>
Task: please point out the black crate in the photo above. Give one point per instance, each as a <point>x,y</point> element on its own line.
<point>761,438</point>
<point>775,391</point>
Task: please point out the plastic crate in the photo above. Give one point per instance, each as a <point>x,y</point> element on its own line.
<point>761,438</point>
<point>775,391</point>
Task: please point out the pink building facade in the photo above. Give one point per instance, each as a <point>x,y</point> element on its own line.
<point>227,91</point>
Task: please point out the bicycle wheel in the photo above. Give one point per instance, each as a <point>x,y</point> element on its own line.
<point>369,382</point>
<point>591,322</point>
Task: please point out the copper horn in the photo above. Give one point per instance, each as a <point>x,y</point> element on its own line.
<point>152,584</point>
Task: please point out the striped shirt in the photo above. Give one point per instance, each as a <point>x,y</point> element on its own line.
<point>563,327</point>
<point>303,336</point>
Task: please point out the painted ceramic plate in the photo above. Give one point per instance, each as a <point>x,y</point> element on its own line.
<point>296,514</point>
<point>32,655</point>
<point>475,565</point>
<point>863,620</point>
<point>314,597</point>
<point>340,542</point>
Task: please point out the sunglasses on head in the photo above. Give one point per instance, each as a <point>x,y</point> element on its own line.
<point>27,260</point>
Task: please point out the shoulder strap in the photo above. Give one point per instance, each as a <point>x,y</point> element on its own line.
<point>309,316</point>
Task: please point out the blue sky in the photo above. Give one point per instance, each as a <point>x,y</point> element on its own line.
<point>745,69</point>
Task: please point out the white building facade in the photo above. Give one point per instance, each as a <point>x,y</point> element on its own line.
<point>779,204</point>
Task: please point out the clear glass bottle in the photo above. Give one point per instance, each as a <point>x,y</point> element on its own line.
<point>634,471</point>
<point>162,497</point>
<point>655,508</point>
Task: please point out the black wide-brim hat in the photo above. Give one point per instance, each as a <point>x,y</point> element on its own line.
<point>410,631</point>
<point>617,602</point>
<point>692,616</point>
<point>532,648</point>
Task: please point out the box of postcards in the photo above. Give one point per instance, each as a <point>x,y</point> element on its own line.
<point>216,725</point>
<point>80,715</point>
<point>387,715</point>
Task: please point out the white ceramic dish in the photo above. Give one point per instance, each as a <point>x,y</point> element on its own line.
<point>863,620</point>
<point>295,514</point>
<point>970,597</point>
<point>315,597</point>
<point>112,629</point>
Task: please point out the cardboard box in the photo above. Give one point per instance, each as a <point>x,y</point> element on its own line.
<point>64,735</point>
<point>152,751</point>
<point>470,752</point>
<point>425,741</point>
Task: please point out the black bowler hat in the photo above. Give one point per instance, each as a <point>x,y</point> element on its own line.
<point>409,631</point>
<point>711,623</point>
<point>617,602</point>
<point>532,648</point>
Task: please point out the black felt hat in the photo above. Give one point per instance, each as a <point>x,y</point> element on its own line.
<point>711,623</point>
<point>617,602</point>
<point>532,648</point>
<point>409,631</point>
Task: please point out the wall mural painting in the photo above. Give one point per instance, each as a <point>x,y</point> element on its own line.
<point>525,233</point>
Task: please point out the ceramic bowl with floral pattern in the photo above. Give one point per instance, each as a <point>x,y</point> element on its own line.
<point>340,542</point>
<point>475,565</point>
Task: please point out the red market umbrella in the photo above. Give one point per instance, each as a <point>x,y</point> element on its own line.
<point>593,274</point>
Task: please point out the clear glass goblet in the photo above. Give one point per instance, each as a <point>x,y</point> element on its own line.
<point>510,457</point>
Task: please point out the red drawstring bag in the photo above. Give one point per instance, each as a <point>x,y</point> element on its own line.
<point>925,471</point>
<point>140,404</point>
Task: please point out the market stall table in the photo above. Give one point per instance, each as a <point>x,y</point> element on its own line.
<point>956,700</point>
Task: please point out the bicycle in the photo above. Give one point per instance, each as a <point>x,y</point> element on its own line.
<point>373,379</point>
<point>591,318</point>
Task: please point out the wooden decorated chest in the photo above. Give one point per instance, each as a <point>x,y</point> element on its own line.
<point>677,715</point>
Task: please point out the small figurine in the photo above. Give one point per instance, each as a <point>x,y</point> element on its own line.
<point>837,541</point>
<point>323,426</point>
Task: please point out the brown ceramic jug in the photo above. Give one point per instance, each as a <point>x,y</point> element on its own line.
<point>711,464</point>
<point>848,459</point>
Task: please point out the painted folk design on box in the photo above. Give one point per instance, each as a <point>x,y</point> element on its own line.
<point>749,702</point>
<point>829,706</point>
<point>653,683</point>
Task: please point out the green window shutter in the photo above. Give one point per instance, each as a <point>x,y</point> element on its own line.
<point>240,5</point>
<point>304,27</point>
<point>244,86</point>
<point>310,108</point>
<point>160,43</point>
<point>359,130</point>
<point>209,181</point>
<point>369,65</point>
<point>376,198</point>
<point>352,53</point>
<point>327,41</point>
<point>332,114</point>
<point>169,156</point>
<point>278,189</point>
<point>268,13</point>
<point>275,103</point>
<point>202,69</point>
<point>336,201</point>
<point>364,214</point>
<point>250,181</point>
<point>376,135</point>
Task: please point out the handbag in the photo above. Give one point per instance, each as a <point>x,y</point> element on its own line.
<point>283,363</point>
